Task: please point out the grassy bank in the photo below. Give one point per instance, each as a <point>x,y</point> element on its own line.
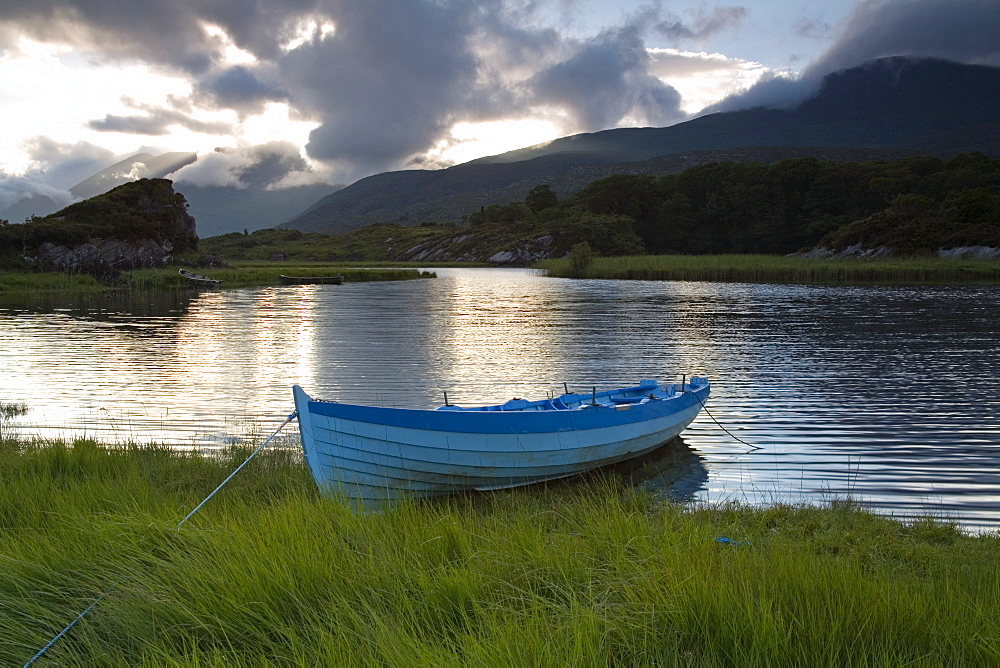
<point>270,573</point>
<point>238,275</point>
<point>780,269</point>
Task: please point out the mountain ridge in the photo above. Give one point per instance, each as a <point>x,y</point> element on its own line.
<point>898,105</point>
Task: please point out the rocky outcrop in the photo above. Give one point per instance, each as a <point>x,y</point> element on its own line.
<point>855,250</point>
<point>134,226</point>
<point>476,248</point>
<point>103,259</point>
<point>970,253</point>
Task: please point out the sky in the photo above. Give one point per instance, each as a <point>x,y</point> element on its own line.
<point>329,91</point>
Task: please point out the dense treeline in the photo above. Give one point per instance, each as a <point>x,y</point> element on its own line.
<point>912,205</point>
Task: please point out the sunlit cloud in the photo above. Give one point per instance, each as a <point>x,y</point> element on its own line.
<point>702,78</point>
<point>308,31</point>
<point>469,141</point>
<point>233,54</point>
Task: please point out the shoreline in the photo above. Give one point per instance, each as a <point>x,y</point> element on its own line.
<point>238,275</point>
<point>783,269</point>
<point>709,268</point>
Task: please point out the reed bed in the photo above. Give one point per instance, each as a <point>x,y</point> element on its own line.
<point>249,275</point>
<point>243,275</point>
<point>12,281</point>
<point>781,269</point>
<point>590,573</point>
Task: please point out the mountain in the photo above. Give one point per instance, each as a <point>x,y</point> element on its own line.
<point>138,166</point>
<point>884,109</point>
<point>221,210</point>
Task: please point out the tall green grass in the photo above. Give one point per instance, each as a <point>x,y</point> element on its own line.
<point>12,281</point>
<point>168,278</point>
<point>271,573</point>
<point>779,269</point>
<point>245,274</point>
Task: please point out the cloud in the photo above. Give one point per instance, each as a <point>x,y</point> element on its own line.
<point>15,189</point>
<point>393,78</point>
<point>607,80</point>
<point>238,88</point>
<point>63,165</point>
<point>384,81</point>
<point>268,166</point>
<point>157,121</point>
<point>960,30</point>
<point>169,34</point>
<point>703,24</point>
<point>705,78</point>
<point>963,30</point>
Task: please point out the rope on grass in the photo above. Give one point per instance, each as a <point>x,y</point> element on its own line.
<point>100,598</point>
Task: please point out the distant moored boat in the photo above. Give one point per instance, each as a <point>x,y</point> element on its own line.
<point>376,456</point>
<point>198,279</point>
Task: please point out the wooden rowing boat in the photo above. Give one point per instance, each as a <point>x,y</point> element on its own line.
<point>377,456</point>
<point>310,280</point>
<point>198,279</point>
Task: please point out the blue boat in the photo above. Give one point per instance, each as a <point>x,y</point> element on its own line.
<point>378,456</point>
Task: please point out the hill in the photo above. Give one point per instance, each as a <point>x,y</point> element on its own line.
<point>886,109</point>
<point>913,206</point>
<point>136,225</point>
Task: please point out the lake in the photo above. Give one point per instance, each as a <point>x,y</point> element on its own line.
<point>889,395</point>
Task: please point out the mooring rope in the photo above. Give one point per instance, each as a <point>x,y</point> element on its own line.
<point>705,408</point>
<point>100,598</point>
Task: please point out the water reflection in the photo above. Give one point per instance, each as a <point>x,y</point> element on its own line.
<point>886,394</point>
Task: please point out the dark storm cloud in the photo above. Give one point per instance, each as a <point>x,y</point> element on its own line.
<point>237,88</point>
<point>385,80</point>
<point>960,30</point>
<point>607,79</point>
<point>170,34</point>
<point>390,80</point>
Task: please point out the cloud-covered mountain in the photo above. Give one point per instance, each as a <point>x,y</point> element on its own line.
<point>133,168</point>
<point>898,104</point>
<point>229,190</point>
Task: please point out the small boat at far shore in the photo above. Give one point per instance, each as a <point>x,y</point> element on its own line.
<point>375,457</point>
<point>311,280</point>
<point>198,279</point>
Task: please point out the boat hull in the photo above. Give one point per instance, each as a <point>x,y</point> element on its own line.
<point>199,280</point>
<point>378,456</point>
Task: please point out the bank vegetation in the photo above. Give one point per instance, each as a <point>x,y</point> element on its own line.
<point>590,573</point>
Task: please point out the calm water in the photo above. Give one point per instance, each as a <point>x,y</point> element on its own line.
<point>890,395</point>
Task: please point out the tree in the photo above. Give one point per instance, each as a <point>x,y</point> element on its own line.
<point>541,198</point>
